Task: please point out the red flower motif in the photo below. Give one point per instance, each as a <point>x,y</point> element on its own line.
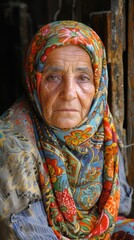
<point>43,58</point>
<point>45,30</point>
<point>74,36</point>
<point>55,211</point>
<point>59,218</point>
<point>67,205</point>
<point>49,49</point>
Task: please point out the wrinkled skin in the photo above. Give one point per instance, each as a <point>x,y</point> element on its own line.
<point>67,87</point>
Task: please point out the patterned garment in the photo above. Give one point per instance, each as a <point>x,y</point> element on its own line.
<point>81,192</point>
<point>124,229</point>
<point>75,171</point>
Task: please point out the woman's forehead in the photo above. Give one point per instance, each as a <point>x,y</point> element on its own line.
<point>71,53</point>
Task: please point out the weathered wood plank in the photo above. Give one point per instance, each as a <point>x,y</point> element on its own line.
<point>117,80</point>
<point>101,23</point>
<point>109,26</point>
<point>130,92</point>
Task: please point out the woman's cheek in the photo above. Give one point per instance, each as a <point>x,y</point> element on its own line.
<point>88,88</point>
<point>50,87</point>
<point>48,95</point>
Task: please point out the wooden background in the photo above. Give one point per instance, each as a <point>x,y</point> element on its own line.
<point>113,20</point>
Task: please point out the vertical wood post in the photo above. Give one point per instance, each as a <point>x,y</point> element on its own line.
<point>130,92</point>
<point>117,81</point>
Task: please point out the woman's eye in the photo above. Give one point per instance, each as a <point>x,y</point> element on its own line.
<point>53,77</point>
<point>83,78</point>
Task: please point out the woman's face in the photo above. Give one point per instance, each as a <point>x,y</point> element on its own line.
<point>67,87</point>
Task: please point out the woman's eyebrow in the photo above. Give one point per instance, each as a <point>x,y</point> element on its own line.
<point>52,68</point>
<point>84,69</point>
<point>60,68</point>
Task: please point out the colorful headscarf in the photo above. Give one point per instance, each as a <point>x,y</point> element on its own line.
<point>80,190</point>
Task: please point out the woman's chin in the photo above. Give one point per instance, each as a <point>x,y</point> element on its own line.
<point>65,124</point>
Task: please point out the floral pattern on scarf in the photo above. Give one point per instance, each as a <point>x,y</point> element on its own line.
<point>81,190</point>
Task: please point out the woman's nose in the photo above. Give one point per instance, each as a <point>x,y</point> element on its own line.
<point>69,89</point>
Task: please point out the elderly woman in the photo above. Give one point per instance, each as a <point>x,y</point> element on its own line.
<point>59,156</point>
